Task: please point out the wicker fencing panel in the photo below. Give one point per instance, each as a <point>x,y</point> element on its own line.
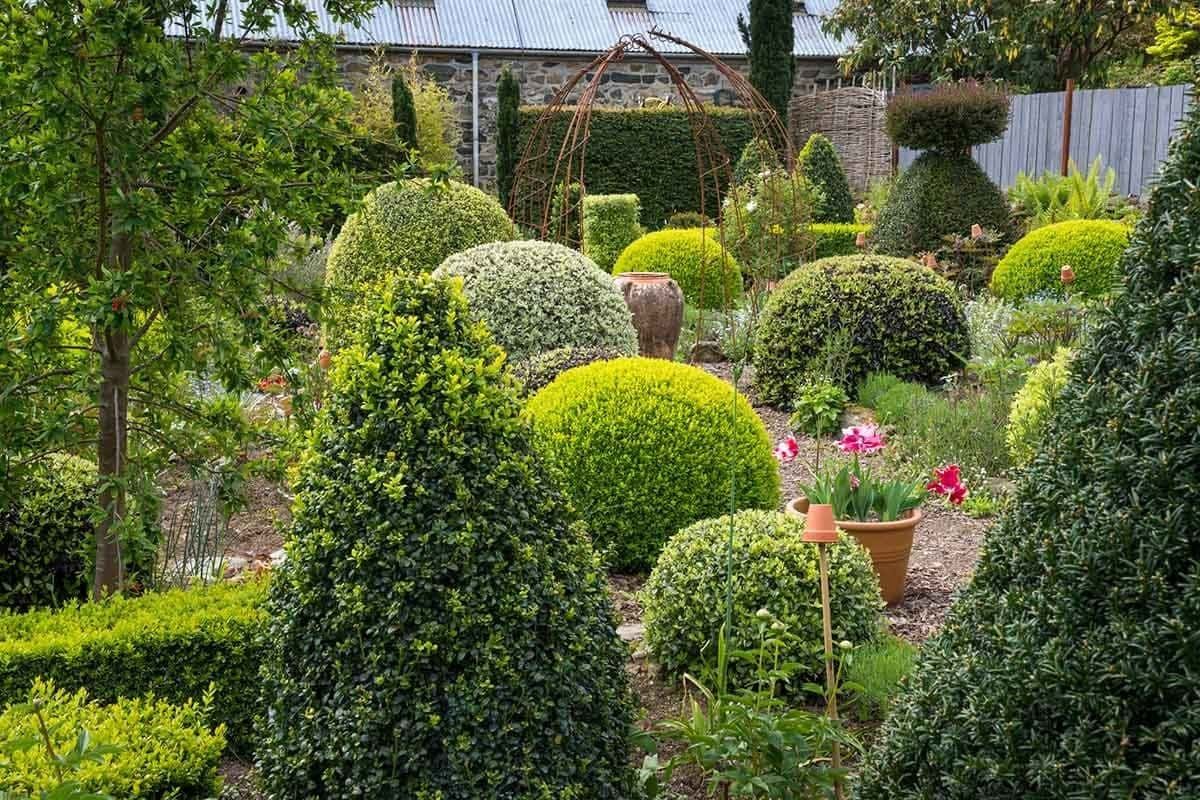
<point>853,119</point>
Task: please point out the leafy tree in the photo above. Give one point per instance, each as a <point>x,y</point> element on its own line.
<point>143,192</point>
<point>404,113</point>
<point>508,131</point>
<point>770,38</point>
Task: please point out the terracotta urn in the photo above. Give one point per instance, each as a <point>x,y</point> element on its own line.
<point>889,544</point>
<point>656,303</point>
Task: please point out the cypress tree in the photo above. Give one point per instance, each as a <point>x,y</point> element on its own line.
<point>404,113</point>
<point>1070,667</point>
<point>770,38</point>
<point>508,131</point>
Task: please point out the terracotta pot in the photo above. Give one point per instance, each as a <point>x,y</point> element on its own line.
<point>889,544</point>
<point>656,302</point>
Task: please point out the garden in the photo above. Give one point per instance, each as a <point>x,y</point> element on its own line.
<point>327,474</point>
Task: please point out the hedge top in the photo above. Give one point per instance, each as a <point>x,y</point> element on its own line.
<point>950,118</point>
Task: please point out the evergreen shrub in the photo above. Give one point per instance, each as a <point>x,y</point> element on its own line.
<point>949,119</point>
<point>819,163</point>
<point>1091,247</point>
<point>1032,405</point>
<point>610,224</point>
<point>836,239</point>
<point>542,369</point>
<point>708,274</point>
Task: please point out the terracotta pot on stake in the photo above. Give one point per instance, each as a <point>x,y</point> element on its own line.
<point>819,529</point>
<point>656,302</point>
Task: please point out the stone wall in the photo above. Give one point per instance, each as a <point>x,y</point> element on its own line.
<point>626,83</point>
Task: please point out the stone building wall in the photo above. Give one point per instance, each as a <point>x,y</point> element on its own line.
<point>626,83</point>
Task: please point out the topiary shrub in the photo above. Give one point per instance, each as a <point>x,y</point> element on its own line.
<point>1067,668</point>
<point>543,368</point>
<point>684,598</point>
<point>758,157</point>
<point>160,750</point>
<point>949,119</point>
<point>709,276</point>
<point>539,296</point>
<point>441,619</point>
<point>645,447</point>
<point>902,318</point>
<point>1032,404</point>
<point>836,239</point>
<point>819,163</point>
<point>1091,247</point>
<point>610,224</point>
<point>938,195</point>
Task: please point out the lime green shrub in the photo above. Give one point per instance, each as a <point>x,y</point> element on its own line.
<point>543,368</point>
<point>538,296</point>
<point>708,274</point>
<point>1091,247</point>
<point>1031,406</point>
<point>902,318</point>
<point>645,447</point>
<point>835,239</point>
<point>773,568</point>
<point>818,161</point>
<point>173,644</point>
<point>610,224</point>
<point>441,628</point>
<point>161,750</point>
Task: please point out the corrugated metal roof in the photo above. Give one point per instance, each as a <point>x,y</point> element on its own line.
<point>589,26</point>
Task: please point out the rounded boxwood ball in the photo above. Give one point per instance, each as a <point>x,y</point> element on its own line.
<point>645,446</point>
<point>902,318</point>
<point>1091,247</point>
<point>684,598</point>
<point>540,296</point>
<point>708,274</point>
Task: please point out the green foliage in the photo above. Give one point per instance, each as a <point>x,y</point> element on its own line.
<point>649,152</point>
<point>1092,248</point>
<point>708,274</point>
<point>875,673</point>
<point>874,386</point>
<point>684,598</point>
<point>817,408</point>
<point>758,157</point>
<point>174,644</point>
<point>645,447</point>
<point>542,369</point>
<point>901,318</point>
<point>610,224</point>
<point>988,321</point>
<point>1033,404</point>
<point>150,750</point>
<point>688,219</point>
<point>878,192</point>
<point>835,239</point>
<point>949,118</point>
<point>1074,637</point>
<point>769,36</point>
<point>938,195</point>
<point>441,619</point>
<point>766,223</point>
<point>1056,198</point>
<point>508,133</point>
<point>968,261</point>
<point>819,163</point>
<point>404,113</point>
<point>857,493</point>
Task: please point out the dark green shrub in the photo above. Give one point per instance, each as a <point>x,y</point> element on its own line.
<point>172,644</point>
<point>441,627</point>
<point>940,194</point>
<point>542,369</point>
<point>538,296</point>
<point>1091,247</point>
<point>688,219</point>
<point>645,447</point>
<point>649,152</point>
<point>770,37</point>
<point>508,133</point>
<point>949,119</point>
<point>836,239</point>
<point>610,224</point>
<point>758,157</point>
<point>708,274</point>
<point>161,750</point>
<point>819,162</point>
<point>1067,668</point>
<point>684,598</point>
<point>902,318</point>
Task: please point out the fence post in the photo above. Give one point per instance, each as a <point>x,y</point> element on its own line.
<point>1068,101</point>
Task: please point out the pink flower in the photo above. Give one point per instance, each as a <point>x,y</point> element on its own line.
<point>947,481</point>
<point>865,439</point>
<point>787,450</point>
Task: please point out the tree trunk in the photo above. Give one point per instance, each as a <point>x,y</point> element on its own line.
<point>114,413</point>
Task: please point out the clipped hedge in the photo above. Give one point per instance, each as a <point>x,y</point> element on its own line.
<point>542,369</point>
<point>161,750</point>
<point>938,195</point>
<point>773,568</point>
<point>902,318</point>
<point>708,274</point>
<point>172,644</point>
<point>610,224</point>
<point>1091,247</point>
<point>645,447</point>
<point>836,239</point>
<point>538,296</point>
<point>1031,406</point>
<point>647,151</point>
<point>950,118</point>
<point>819,163</point>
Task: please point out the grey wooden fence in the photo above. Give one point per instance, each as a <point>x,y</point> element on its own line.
<point>1128,128</point>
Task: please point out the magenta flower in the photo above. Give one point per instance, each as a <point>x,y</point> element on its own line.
<point>947,481</point>
<point>787,450</point>
<point>865,439</point>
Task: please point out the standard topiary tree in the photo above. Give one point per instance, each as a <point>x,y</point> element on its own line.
<point>1091,247</point>
<point>819,163</point>
<point>508,133</point>
<point>900,317</point>
<point>708,274</point>
<point>538,296</point>
<point>441,619</point>
<point>404,113</point>
<point>645,446</point>
<point>1067,669</point>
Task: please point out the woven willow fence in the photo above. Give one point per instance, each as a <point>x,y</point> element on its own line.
<point>853,119</point>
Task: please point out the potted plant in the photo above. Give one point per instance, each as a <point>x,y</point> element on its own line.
<point>882,514</point>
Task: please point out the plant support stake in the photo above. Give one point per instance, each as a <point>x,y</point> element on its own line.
<point>820,529</point>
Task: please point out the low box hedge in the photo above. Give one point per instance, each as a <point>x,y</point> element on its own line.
<point>836,238</point>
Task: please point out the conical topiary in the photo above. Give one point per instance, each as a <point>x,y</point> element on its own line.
<point>819,163</point>
<point>1070,668</point>
<point>441,628</point>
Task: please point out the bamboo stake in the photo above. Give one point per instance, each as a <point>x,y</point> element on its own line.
<point>830,677</point>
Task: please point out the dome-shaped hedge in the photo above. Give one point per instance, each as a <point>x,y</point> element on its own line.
<point>709,276</point>
<point>1091,247</point>
<point>937,195</point>
<point>684,598</point>
<point>902,318</point>
<point>1031,406</point>
<point>646,446</point>
<point>539,296</point>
